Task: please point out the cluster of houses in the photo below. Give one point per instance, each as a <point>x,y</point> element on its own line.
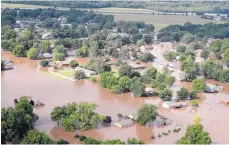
<point>132,118</point>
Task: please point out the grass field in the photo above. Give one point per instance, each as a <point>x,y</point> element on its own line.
<point>160,21</point>
<point>6,5</point>
<point>66,73</point>
<point>129,10</point>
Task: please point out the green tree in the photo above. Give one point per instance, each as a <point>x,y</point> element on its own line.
<point>134,141</point>
<point>151,73</point>
<point>79,75</point>
<point>165,94</point>
<point>59,49</point>
<point>32,53</point>
<point>44,63</point>
<point>16,122</point>
<point>137,87</point>
<point>147,57</point>
<point>58,57</point>
<point>73,63</point>
<point>61,141</point>
<point>44,46</point>
<point>148,39</point>
<point>147,113</point>
<point>182,93</point>
<point>188,38</point>
<point>170,56</point>
<point>204,54</point>
<point>19,51</point>
<point>195,135</point>
<point>124,84</point>
<point>77,116</point>
<point>36,137</point>
<point>198,85</point>
<point>28,35</point>
<point>190,68</point>
<point>9,34</point>
<point>226,57</point>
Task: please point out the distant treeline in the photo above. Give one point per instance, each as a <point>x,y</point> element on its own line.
<point>175,32</point>
<point>171,6</point>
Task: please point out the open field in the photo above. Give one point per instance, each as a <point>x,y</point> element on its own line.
<point>130,14</point>
<point>6,5</point>
<point>66,73</point>
<point>160,21</point>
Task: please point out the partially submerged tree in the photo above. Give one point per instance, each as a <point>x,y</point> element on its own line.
<point>195,135</point>
<point>147,113</point>
<point>198,85</point>
<point>77,116</point>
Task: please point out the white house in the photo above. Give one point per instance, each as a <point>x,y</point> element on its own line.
<point>86,71</point>
<point>172,104</point>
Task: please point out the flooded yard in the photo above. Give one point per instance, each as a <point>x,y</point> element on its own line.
<point>27,79</point>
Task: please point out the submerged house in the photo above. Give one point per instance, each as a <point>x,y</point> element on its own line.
<point>133,116</point>
<point>86,71</point>
<point>172,104</point>
<point>137,66</point>
<point>7,64</point>
<point>159,121</point>
<point>124,123</point>
<point>213,88</point>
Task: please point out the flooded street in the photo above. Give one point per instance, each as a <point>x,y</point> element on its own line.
<point>27,79</point>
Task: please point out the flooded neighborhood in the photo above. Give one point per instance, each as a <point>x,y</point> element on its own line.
<point>78,73</point>
<point>26,79</point>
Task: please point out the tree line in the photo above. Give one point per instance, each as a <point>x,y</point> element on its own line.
<point>210,30</point>
<point>162,6</point>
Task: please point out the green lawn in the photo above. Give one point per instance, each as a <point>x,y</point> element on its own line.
<point>66,73</point>
<point>160,21</point>
<point>53,75</point>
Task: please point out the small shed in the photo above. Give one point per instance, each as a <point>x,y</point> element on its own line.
<point>124,123</point>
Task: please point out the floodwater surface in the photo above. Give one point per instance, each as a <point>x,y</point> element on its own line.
<point>27,79</point>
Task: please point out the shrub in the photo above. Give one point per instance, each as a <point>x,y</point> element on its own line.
<point>32,53</point>
<point>93,79</point>
<point>82,138</point>
<point>194,103</point>
<point>169,131</point>
<point>159,135</point>
<point>76,135</point>
<point>44,63</point>
<point>78,75</point>
<point>152,137</point>
<point>73,64</point>
<point>165,133</point>
<point>58,56</point>
<point>193,95</point>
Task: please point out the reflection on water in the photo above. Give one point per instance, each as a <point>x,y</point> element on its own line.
<point>26,79</point>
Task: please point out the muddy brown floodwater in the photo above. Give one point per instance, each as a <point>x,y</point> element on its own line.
<point>27,79</point>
